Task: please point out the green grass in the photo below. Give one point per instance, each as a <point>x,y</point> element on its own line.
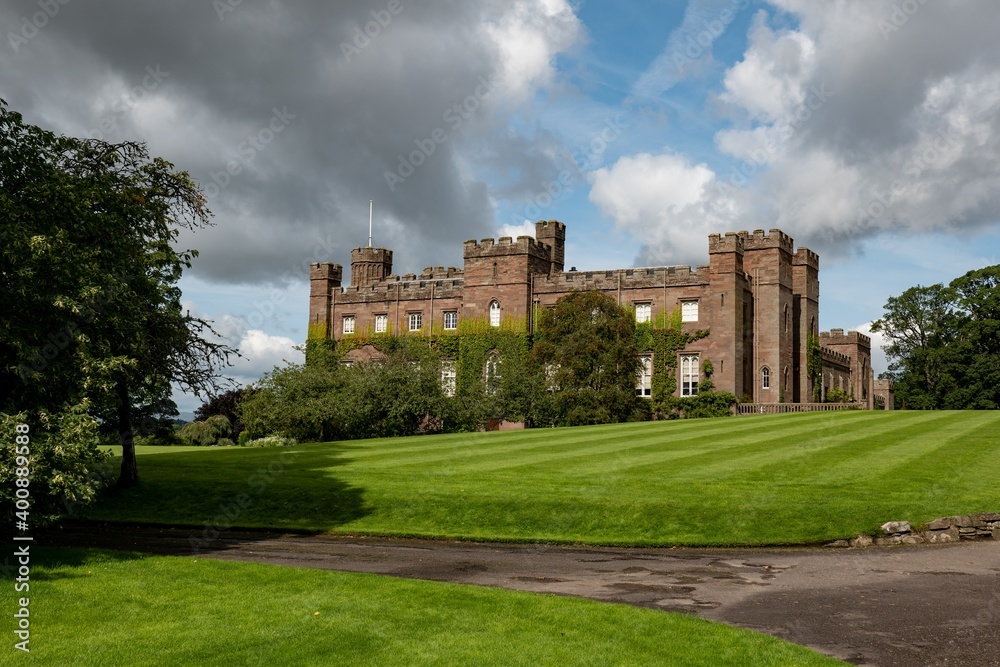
<point>798,478</point>
<point>101,608</point>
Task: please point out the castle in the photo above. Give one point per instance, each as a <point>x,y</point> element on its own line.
<point>758,297</point>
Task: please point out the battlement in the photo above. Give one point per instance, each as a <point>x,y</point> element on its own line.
<point>838,337</point>
<point>439,272</point>
<point>731,242</point>
<point>506,246</point>
<point>554,227</point>
<point>834,357</point>
<point>326,271</point>
<point>407,287</point>
<point>627,279</point>
<point>760,240</point>
<point>370,254</point>
<point>806,257</point>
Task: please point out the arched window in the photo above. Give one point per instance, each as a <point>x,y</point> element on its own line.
<point>494,313</point>
<point>492,372</point>
<point>765,378</point>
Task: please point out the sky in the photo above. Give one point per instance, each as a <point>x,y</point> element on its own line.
<point>868,130</point>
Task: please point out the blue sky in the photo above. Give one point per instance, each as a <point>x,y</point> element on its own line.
<point>866,129</point>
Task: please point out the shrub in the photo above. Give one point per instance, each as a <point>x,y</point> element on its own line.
<point>707,404</point>
<point>206,433</point>
<point>64,462</point>
<point>272,441</point>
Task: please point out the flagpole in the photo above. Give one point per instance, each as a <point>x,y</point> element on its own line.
<point>371,207</point>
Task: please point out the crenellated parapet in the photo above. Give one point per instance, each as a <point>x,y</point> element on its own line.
<point>761,240</point>
<point>405,288</point>
<point>834,358</point>
<point>730,242</point>
<point>439,272</point>
<point>838,337</point>
<point>626,279</point>
<point>326,271</point>
<point>505,246</point>
<point>806,257</point>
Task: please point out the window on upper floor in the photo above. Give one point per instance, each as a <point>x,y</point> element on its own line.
<point>494,313</point>
<point>451,320</point>
<point>348,324</point>
<point>643,312</point>
<point>689,311</point>
<point>416,321</point>
<point>381,323</point>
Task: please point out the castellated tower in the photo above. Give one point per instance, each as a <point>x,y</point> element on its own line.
<point>553,233</point>
<point>768,259</point>
<point>324,278</point>
<point>805,278</point>
<point>729,309</point>
<point>370,265</point>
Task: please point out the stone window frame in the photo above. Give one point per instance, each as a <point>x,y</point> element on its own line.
<point>689,373</point>
<point>383,320</point>
<point>644,387</point>
<point>492,372</point>
<point>643,312</point>
<point>449,377</point>
<point>451,325</point>
<point>347,325</point>
<point>765,377</point>
<point>686,305</point>
<point>495,311</point>
<point>417,319</point>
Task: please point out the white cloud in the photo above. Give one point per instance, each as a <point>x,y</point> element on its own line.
<point>667,202</point>
<point>529,35</point>
<point>527,228</point>
<point>263,352</point>
<point>840,131</point>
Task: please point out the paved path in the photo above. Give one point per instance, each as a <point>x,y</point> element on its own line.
<point>901,606</point>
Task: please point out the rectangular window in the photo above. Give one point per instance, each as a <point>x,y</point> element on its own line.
<point>689,375</point>
<point>689,311</point>
<point>451,321</point>
<point>381,323</point>
<point>643,312</point>
<point>348,324</point>
<point>416,321</point>
<point>645,386</point>
<point>448,377</point>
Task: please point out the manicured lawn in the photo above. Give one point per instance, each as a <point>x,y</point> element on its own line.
<point>783,479</point>
<point>100,608</point>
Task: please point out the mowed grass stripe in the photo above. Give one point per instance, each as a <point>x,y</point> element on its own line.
<point>820,450</point>
<point>513,444</point>
<point>694,443</point>
<point>756,480</point>
<point>874,456</point>
<point>755,451</point>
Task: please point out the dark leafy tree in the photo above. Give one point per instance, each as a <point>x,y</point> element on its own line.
<point>943,343</point>
<point>89,272</point>
<point>224,404</point>
<point>586,351</point>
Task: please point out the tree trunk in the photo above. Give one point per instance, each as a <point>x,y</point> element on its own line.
<point>130,472</point>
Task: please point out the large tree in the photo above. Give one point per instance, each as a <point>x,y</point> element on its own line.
<point>586,350</point>
<point>943,343</point>
<point>89,271</point>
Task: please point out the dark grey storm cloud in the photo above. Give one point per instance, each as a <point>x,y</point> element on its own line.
<point>290,114</point>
